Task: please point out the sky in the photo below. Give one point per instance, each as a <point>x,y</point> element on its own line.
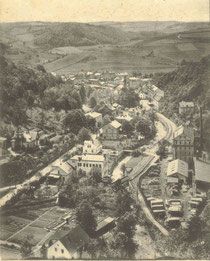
<point>103,10</point>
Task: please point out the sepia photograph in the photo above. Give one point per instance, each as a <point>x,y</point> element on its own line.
<point>104,129</point>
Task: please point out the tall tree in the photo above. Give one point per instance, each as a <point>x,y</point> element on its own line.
<point>92,102</point>
<point>86,218</point>
<point>83,135</point>
<point>82,93</point>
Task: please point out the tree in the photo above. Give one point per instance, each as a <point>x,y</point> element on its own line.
<point>106,120</point>
<point>143,126</point>
<point>85,217</point>
<point>95,176</point>
<point>83,135</point>
<point>82,93</point>
<point>75,95</point>
<point>90,123</point>
<point>74,121</point>
<point>97,248</point>
<point>127,127</point>
<point>92,102</point>
<point>123,202</point>
<point>125,246</point>
<point>127,224</point>
<point>26,248</point>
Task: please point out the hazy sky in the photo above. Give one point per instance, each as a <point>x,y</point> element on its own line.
<point>103,10</point>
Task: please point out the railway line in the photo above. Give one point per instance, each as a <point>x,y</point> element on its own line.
<point>170,128</point>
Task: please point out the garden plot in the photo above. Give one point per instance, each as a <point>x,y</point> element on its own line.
<point>30,223</point>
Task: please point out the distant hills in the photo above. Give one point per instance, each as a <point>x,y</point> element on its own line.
<point>72,47</point>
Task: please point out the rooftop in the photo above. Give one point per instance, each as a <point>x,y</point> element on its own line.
<point>202,171</point>
<point>115,124</point>
<point>184,130</point>
<point>57,171</point>
<point>186,104</point>
<point>177,166</point>
<point>73,239</point>
<point>99,158</point>
<point>93,114</point>
<point>104,222</point>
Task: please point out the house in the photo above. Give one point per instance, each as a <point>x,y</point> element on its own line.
<point>67,244</point>
<point>186,107</point>
<point>111,131</point>
<point>202,174</point>
<point>91,148</point>
<point>183,144</point>
<point>154,92</point>
<point>56,173</point>
<point>134,83</point>
<point>30,139</point>
<point>177,169</point>
<point>97,116</point>
<point>87,162</point>
<point>123,118</point>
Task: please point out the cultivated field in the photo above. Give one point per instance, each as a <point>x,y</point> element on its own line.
<point>17,227</point>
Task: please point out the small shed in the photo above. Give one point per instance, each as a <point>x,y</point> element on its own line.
<point>104,226</point>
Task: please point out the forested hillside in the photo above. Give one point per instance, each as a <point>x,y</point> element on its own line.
<point>35,97</point>
<point>76,34</point>
<point>189,82</point>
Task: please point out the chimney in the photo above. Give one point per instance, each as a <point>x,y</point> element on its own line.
<point>201,128</point>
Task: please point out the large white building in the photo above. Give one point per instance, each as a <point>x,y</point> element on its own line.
<point>87,162</point>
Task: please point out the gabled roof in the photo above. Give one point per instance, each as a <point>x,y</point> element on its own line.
<point>64,166</point>
<point>94,114</point>
<point>177,167</point>
<point>184,130</point>
<point>115,124</point>
<point>57,171</point>
<point>73,240</point>
<point>202,171</point>
<point>104,223</point>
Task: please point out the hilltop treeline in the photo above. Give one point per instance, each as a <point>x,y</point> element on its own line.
<point>77,34</point>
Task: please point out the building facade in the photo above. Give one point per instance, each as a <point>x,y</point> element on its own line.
<point>186,107</point>
<point>111,131</point>
<point>67,246</point>
<point>88,162</point>
<point>91,148</point>
<point>183,144</point>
